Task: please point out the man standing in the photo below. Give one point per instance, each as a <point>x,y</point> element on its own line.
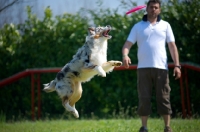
<point>151,35</point>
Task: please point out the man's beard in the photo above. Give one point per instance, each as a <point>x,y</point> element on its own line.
<point>152,16</point>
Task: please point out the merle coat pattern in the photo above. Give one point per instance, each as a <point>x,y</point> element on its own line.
<point>90,60</point>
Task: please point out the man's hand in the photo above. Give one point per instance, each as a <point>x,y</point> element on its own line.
<point>125,50</point>
<point>126,61</point>
<point>177,73</point>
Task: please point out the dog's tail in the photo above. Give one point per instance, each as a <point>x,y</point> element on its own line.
<point>50,87</point>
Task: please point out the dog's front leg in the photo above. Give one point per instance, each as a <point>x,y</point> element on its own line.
<point>100,71</point>
<point>96,68</point>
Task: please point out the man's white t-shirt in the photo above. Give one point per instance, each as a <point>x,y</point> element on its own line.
<point>151,41</point>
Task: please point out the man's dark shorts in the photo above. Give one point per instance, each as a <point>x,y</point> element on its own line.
<point>147,79</point>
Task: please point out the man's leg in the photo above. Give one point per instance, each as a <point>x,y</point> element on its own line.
<point>163,96</point>
<point>144,86</point>
<point>166,120</point>
<point>167,123</point>
<point>144,121</point>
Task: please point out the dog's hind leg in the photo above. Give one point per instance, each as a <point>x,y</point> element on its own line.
<point>110,65</point>
<point>50,87</point>
<point>70,108</point>
<point>69,103</point>
<point>77,88</point>
<point>75,113</point>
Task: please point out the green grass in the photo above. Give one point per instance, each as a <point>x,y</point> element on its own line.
<point>111,125</point>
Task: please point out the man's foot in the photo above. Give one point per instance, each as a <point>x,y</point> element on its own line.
<point>143,129</point>
<point>167,129</point>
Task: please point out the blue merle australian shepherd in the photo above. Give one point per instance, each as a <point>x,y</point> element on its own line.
<point>90,60</point>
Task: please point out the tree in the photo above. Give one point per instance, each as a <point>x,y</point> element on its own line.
<point>4,4</point>
<point>13,11</point>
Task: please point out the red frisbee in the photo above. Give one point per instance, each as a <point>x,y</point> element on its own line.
<point>135,9</point>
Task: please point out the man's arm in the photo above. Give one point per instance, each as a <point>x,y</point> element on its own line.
<point>175,56</point>
<point>125,50</point>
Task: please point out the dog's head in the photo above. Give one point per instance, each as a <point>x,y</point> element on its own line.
<point>98,32</point>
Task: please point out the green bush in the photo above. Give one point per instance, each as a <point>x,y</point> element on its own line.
<point>52,41</point>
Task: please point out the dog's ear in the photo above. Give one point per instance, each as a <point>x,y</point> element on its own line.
<point>91,31</point>
<point>91,28</point>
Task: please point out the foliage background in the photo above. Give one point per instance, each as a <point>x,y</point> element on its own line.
<point>52,41</point>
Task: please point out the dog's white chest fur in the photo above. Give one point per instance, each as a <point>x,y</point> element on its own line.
<point>97,57</point>
<point>99,53</point>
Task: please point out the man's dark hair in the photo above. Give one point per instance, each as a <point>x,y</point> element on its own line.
<point>154,1</point>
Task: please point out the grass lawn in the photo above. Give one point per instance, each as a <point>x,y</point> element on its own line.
<point>111,125</point>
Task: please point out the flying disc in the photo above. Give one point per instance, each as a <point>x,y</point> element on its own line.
<point>135,9</point>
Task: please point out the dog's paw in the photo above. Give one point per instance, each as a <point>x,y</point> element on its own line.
<point>116,63</point>
<point>71,109</point>
<point>75,113</point>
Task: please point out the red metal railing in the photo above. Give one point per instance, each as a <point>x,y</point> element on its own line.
<point>32,72</point>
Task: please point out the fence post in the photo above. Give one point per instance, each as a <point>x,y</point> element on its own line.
<point>32,97</point>
<point>39,95</point>
<point>187,93</point>
<point>182,96</point>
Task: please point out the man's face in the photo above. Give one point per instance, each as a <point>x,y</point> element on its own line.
<point>153,10</point>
